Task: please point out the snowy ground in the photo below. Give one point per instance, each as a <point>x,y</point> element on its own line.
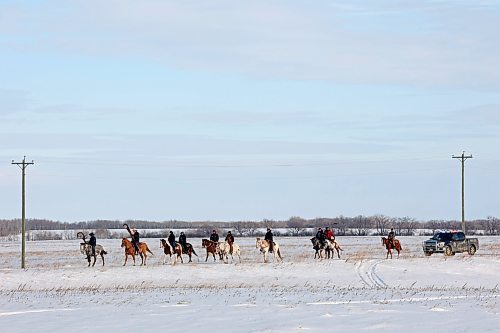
<point>361,292</point>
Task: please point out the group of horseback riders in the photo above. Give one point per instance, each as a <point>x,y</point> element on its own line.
<point>323,235</point>
<point>214,237</point>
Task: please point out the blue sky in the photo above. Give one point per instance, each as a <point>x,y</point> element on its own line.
<point>230,110</point>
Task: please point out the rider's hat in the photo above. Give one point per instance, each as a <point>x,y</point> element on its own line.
<point>91,234</point>
<point>213,230</point>
<point>229,232</point>
<point>268,229</point>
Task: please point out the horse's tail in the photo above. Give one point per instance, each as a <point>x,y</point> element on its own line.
<point>279,253</point>
<point>194,252</point>
<point>104,252</point>
<point>147,249</point>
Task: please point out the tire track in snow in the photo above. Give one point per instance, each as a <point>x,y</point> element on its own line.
<point>369,276</point>
<point>375,277</point>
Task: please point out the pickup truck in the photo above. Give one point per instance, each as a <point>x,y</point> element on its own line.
<point>449,243</point>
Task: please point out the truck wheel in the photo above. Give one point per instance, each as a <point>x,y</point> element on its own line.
<point>448,251</point>
<point>472,250</point>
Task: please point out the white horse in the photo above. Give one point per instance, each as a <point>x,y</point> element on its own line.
<point>263,245</point>
<point>225,251</point>
<point>86,249</point>
<point>333,245</point>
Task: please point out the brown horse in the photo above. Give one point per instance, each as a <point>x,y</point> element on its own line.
<point>396,246</point>
<point>130,250</point>
<point>212,247</point>
<point>167,250</point>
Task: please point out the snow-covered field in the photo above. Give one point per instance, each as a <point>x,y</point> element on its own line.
<point>360,292</point>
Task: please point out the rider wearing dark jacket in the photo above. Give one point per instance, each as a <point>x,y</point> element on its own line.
<point>134,234</point>
<point>230,240</point>
<point>391,237</point>
<point>183,241</point>
<point>269,237</point>
<point>92,242</point>
<point>214,237</point>
<point>320,236</point>
<point>171,240</point>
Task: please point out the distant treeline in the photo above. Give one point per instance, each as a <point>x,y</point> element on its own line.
<point>295,226</point>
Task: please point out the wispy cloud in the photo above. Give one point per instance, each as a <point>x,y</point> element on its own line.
<point>446,43</point>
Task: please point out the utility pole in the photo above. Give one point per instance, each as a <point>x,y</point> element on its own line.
<point>462,159</point>
<point>23,165</point>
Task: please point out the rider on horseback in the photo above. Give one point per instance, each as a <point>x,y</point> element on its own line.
<point>135,238</point>
<point>183,242</point>
<point>329,234</point>
<point>92,242</point>
<point>320,236</point>
<point>214,237</point>
<point>171,241</point>
<point>230,241</point>
<point>269,238</point>
<point>391,237</point>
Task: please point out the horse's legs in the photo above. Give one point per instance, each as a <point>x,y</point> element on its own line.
<point>95,258</point>
<point>126,257</point>
<point>102,256</point>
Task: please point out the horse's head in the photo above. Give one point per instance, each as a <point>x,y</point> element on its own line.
<point>384,241</point>
<point>124,241</point>
<point>258,243</point>
<point>204,242</point>
<point>162,243</point>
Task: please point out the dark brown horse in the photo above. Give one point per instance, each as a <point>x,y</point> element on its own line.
<point>212,247</point>
<point>396,246</point>
<point>130,251</point>
<point>167,250</point>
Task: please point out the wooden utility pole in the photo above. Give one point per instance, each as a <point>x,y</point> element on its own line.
<point>462,159</point>
<point>23,165</point>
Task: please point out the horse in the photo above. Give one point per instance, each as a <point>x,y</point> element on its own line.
<point>333,245</point>
<point>387,243</point>
<point>190,251</point>
<point>167,249</point>
<point>211,247</point>
<point>319,248</point>
<point>263,245</point>
<point>225,250</point>
<point>130,251</point>
<point>86,249</point>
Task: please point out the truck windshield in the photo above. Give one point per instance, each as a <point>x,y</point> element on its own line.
<point>441,236</point>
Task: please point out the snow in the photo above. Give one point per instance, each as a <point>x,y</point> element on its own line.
<point>362,291</point>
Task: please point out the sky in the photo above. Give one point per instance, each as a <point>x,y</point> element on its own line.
<point>249,110</point>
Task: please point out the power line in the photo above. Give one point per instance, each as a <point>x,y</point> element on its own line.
<point>23,165</point>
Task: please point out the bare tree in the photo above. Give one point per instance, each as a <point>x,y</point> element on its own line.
<point>296,225</point>
<point>491,225</point>
<point>381,223</point>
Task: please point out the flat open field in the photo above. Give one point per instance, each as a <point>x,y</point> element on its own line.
<point>362,291</point>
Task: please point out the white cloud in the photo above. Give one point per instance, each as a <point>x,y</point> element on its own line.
<point>425,43</point>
